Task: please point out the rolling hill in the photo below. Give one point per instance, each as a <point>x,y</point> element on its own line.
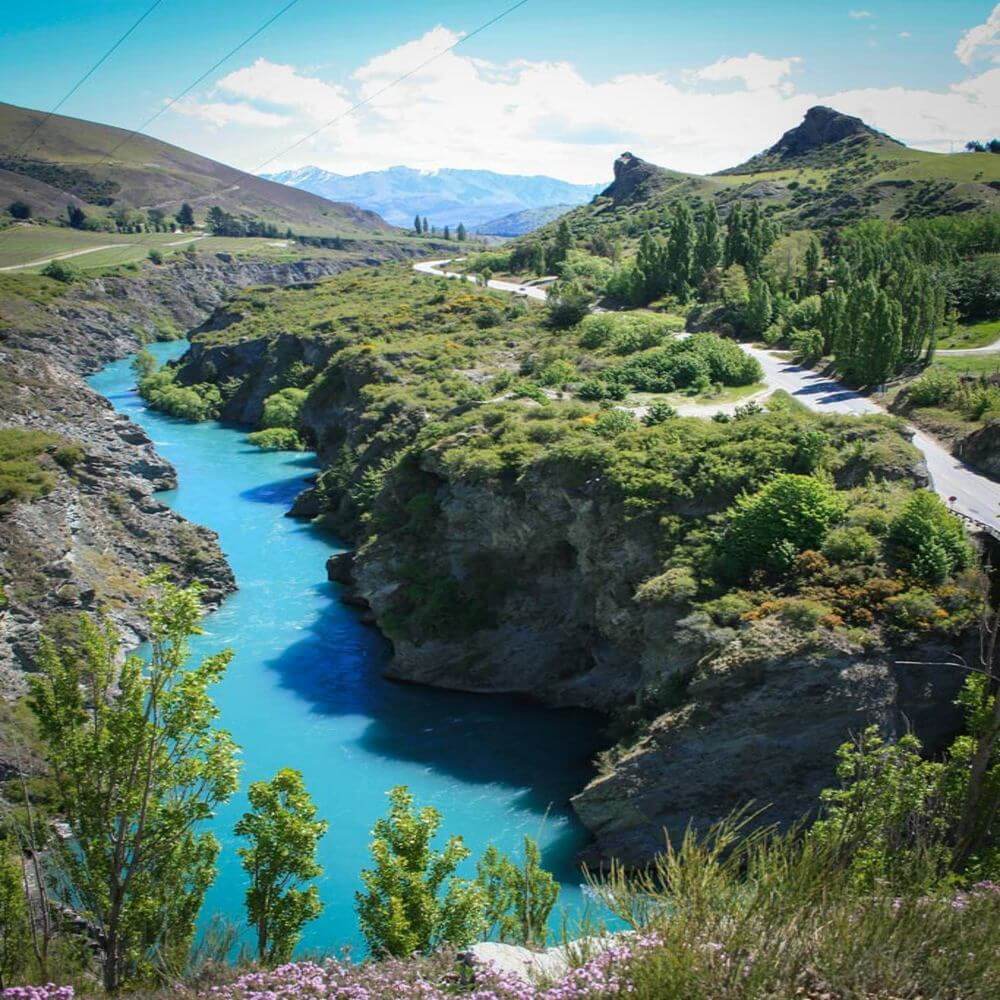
<point>525,221</point>
<point>830,170</point>
<point>70,160</point>
<point>446,197</point>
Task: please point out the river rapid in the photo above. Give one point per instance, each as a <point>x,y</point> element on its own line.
<point>305,689</point>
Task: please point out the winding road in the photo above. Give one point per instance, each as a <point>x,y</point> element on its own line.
<point>967,492</point>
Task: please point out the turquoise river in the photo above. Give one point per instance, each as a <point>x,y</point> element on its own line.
<point>305,688</point>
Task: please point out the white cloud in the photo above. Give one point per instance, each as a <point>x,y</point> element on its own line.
<point>904,34</point>
<point>982,40</point>
<point>283,86</point>
<point>756,71</point>
<point>219,113</point>
<point>859,15</point>
<point>546,117</point>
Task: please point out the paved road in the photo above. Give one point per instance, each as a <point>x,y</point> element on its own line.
<point>437,267</point>
<point>975,496</point>
<point>988,349</point>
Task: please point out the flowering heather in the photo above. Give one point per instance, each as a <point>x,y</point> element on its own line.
<point>603,975</point>
<point>47,992</point>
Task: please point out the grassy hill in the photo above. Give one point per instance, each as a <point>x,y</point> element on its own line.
<point>830,170</point>
<point>69,160</point>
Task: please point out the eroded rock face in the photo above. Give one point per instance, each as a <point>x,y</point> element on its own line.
<point>981,449</point>
<point>821,126</point>
<point>762,725</point>
<point>87,545</point>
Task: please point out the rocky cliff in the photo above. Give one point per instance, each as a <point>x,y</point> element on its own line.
<point>533,580</point>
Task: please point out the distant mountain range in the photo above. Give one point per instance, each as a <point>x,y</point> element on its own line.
<point>446,196</point>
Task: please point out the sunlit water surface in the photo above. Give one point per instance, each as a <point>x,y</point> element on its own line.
<point>305,688</point>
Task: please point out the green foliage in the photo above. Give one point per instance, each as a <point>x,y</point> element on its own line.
<point>807,345</point>
<point>520,896</point>
<point>767,529</point>
<point>143,364</point>
<point>282,408</point>
<point>159,388</point>
<point>412,900</point>
<point>567,303</point>
<point>283,835</point>
<point>276,439</point>
<point>30,461</point>
<point>14,932</point>
<point>155,256</point>
<point>59,271</point>
<point>928,539</point>
<point>934,387</point>
<point>759,308</point>
<point>138,766</point>
<point>658,413</point>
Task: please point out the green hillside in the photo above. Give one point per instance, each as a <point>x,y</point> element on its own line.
<point>830,170</point>
<point>69,160</point>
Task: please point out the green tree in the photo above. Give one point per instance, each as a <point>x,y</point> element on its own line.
<point>519,897</point>
<point>417,227</point>
<point>928,539</point>
<point>680,253</point>
<point>767,529</point>
<point>560,246</point>
<point>282,408</point>
<point>460,233</point>
<point>283,835</point>
<point>447,232</point>
<point>708,252</point>
<point>19,210</point>
<point>185,216</point>
<point>76,216</point>
<point>759,308</point>
<point>813,263</point>
<point>567,303</point>
<point>425,226</point>
<point>413,901</point>
<point>138,767</point>
<point>144,364</point>
<point>14,936</point>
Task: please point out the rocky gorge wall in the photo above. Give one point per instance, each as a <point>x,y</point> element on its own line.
<point>529,585</point>
<point>88,542</point>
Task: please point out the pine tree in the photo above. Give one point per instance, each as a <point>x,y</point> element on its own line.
<point>460,232</point>
<point>651,265</point>
<point>416,225</point>
<point>561,246</point>
<point>447,232</point>
<point>426,227</point>
<point>185,216</point>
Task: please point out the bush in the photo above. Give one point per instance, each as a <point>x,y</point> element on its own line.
<point>155,256</point>
<point>807,345</point>
<point>658,413</point>
<point>611,423</point>
<point>281,409</point>
<point>928,539</point>
<point>769,528</point>
<point>559,372</point>
<point>202,401</point>
<point>19,210</point>
<point>851,545</point>
<point>568,303</point>
<point>934,387</point>
<point>59,271</point>
<point>276,439</point>
<point>676,584</point>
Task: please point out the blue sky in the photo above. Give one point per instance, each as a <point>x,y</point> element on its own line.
<point>556,87</point>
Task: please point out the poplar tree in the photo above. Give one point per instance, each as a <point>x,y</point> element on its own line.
<point>283,835</point>
<point>460,232</point>
<point>708,252</point>
<point>138,766</point>
<point>680,252</point>
<point>416,225</point>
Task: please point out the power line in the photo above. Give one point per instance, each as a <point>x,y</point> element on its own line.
<point>388,86</point>
<point>86,76</point>
<point>187,90</point>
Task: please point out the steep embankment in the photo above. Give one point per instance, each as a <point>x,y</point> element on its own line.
<point>90,532</point>
<point>512,540</point>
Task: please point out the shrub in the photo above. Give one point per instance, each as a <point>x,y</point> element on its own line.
<point>934,387</point>
<point>567,304</point>
<point>928,539</point>
<point>558,372</point>
<point>59,271</point>
<point>611,423</point>
<point>281,409</point>
<point>19,210</point>
<point>676,584</point>
<point>807,344</point>
<point>767,529</point>
<point>658,413</point>
<point>276,439</point>
<point>913,610</point>
<point>155,256</point>
<point>802,613</point>
<point>851,545</point>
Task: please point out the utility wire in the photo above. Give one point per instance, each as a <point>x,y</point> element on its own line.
<point>86,76</point>
<point>388,86</point>
<point>187,90</point>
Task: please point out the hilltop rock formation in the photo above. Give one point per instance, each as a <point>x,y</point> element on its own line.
<point>821,126</point>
